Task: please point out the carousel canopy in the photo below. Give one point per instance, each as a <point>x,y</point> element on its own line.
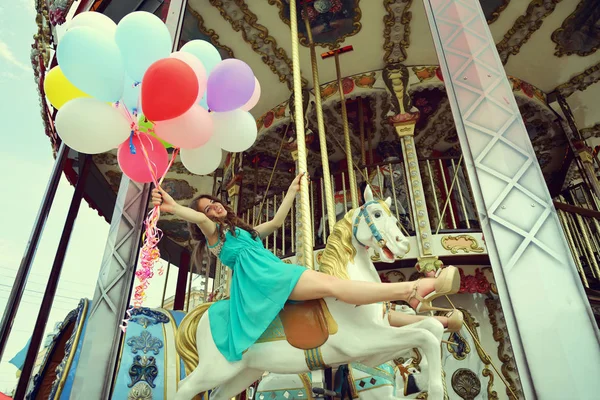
<point>547,46</point>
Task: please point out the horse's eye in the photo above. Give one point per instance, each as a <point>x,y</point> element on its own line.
<point>377,214</point>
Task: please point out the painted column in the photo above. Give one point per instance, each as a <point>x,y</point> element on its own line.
<point>395,77</point>
<point>555,339</point>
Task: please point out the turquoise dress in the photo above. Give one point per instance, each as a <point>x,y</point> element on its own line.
<point>260,286</point>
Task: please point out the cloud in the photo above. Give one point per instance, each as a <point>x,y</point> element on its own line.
<point>8,55</point>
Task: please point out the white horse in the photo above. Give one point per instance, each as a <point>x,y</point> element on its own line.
<point>364,334</point>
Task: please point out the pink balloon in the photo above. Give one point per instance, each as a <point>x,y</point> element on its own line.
<point>255,97</point>
<point>192,129</point>
<point>198,68</point>
<point>135,165</point>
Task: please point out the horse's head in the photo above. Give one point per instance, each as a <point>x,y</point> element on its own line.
<point>375,226</point>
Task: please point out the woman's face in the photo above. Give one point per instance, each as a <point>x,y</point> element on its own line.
<point>212,208</point>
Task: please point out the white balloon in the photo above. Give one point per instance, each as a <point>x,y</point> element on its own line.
<point>202,160</point>
<point>94,20</point>
<point>91,126</point>
<point>235,131</point>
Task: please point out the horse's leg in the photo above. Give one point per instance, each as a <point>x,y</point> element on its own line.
<point>212,370</point>
<point>236,385</point>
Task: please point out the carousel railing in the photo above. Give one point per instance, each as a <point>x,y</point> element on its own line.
<point>578,213</point>
<point>447,191</point>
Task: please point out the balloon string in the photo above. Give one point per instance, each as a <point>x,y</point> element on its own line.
<point>149,253</point>
<point>152,235</point>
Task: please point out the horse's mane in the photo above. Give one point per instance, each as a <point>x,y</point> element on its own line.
<point>339,250</point>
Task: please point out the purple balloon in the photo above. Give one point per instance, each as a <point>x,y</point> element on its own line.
<point>230,85</point>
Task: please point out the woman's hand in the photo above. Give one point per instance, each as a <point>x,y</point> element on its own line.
<point>164,200</point>
<point>295,185</point>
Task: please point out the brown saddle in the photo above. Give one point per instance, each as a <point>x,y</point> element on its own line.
<point>307,325</point>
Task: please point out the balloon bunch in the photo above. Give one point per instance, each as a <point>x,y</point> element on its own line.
<point>119,86</point>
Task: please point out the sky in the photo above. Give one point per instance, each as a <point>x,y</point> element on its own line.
<point>25,165</point>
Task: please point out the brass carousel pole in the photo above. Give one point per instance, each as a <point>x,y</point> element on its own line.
<point>306,255</point>
<point>351,175</point>
<point>321,126</point>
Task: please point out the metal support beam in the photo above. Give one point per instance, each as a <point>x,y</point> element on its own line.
<point>101,344</point>
<point>52,285</point>
<point>16,293</point>
<point>550,322</point>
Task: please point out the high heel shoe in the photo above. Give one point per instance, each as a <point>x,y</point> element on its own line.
<point>448,282</point>
<point>455,321</point>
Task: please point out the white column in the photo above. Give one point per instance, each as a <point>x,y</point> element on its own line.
<point>555,338</point>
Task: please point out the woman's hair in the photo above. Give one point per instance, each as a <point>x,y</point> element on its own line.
<point>231,221</point>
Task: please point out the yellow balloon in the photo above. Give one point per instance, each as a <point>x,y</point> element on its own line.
<point>58,88</point>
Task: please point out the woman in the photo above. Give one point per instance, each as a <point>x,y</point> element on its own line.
<point>262,283</point>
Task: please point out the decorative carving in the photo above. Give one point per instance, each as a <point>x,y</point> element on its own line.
<point>461,348</point>
<point>143,369</point>
<point>147,317</point>
<point>493,8</point>
<point>141,391</point>
<point>332,21</point>
<point>466,384</point>
<point>477,283</point>
<point>396,32</point>
<point>145,343</point>
<point>365,80</point>
<point>395,77</point>
<point>456,243</point>
<point>492,394</point>
<point>211,35</point>
<point>524,27</point>
<point>580,81</point>
<point>426,73</point>
<point>237,13</point>
<point>508,368</point>
<point>580,32</point>
<point>591,132</point>
<point>58,10</point>
<point>180,189</point>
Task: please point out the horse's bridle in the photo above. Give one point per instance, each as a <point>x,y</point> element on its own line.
<point>363,213</point>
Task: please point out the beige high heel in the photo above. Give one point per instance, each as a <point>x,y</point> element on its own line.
<point>455,321</point>
<point>448,282</point>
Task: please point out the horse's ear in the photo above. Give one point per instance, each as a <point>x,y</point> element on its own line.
<point>368,194</point>
<point>388,202</point>
<point>408,362</point>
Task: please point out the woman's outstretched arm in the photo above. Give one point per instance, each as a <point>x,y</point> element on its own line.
<point>271,226</point>
<point>167,204</point>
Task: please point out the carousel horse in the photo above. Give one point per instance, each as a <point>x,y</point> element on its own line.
<point>341,333</point>
<point>390,380</point>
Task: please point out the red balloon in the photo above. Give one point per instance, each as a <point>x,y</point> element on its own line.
<point>135,165</point>
<point>169,89</point>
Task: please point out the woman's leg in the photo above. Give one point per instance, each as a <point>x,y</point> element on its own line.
<point>399,319</point>
<point>316,285</point>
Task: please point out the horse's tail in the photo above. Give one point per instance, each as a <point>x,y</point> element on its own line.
<point>185,341</point>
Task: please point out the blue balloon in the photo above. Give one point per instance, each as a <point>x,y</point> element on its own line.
<point>143,39</point>
<point>203,101</point>
<point>92,62</point>
<point>205,52</point>
<point>131,96</point>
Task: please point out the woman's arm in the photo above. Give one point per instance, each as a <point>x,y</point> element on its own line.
<point>167,204</point>
<point>271,226</point>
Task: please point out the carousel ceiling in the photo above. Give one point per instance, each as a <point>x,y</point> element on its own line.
<point>546,45</point>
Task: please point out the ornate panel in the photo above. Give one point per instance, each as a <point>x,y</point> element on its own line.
<point>396,32</point>
<point>237,13</point>
<point>332,21</point>
<point>519,221</point>
<point>580,32</point>
<point>580,81</point>
<point>524,27</point>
